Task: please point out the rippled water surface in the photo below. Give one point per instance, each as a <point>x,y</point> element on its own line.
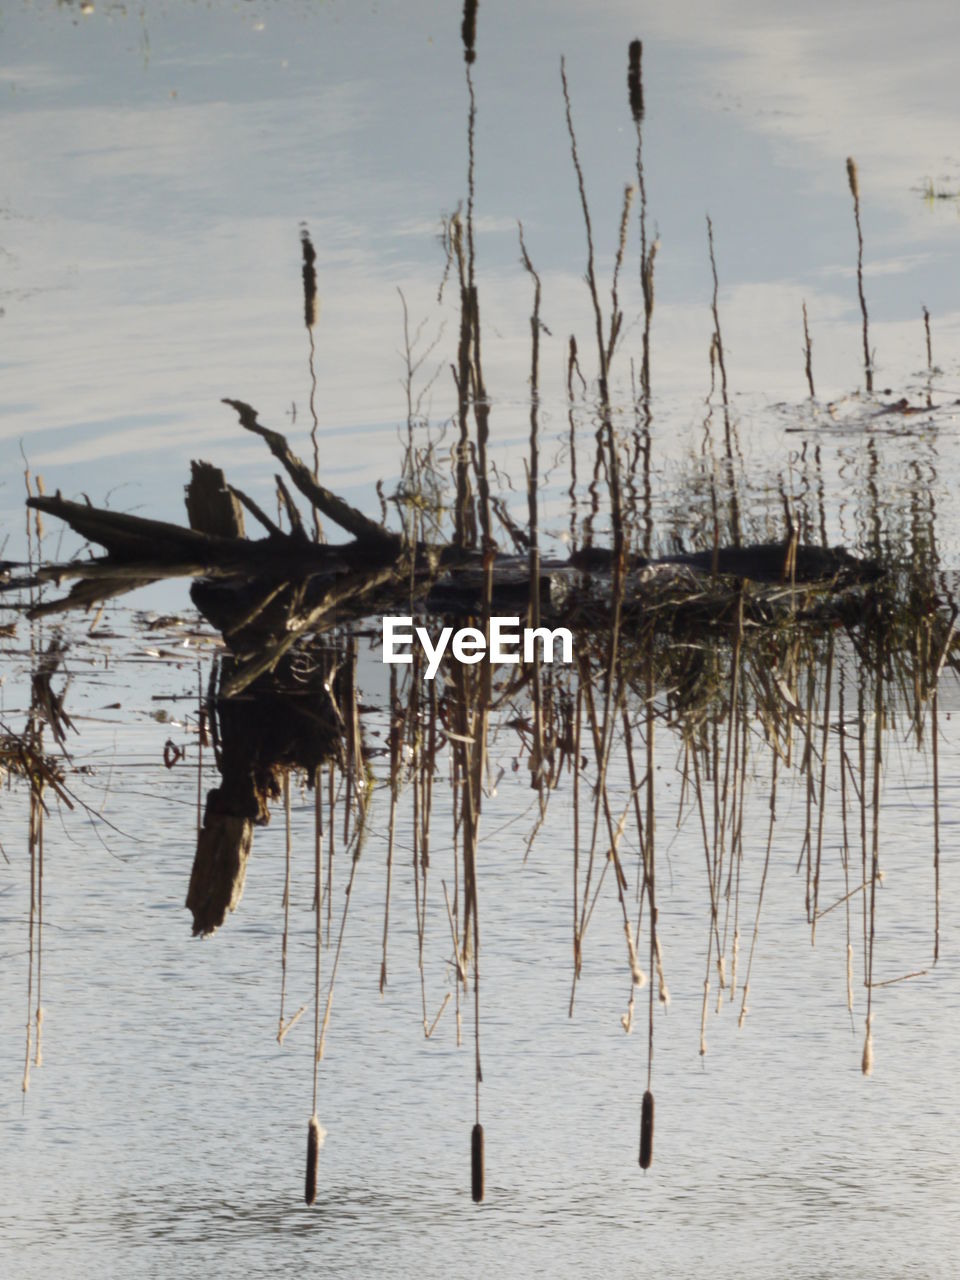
<point>155,169</point>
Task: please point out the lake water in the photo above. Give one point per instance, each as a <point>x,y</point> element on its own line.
<point>155,170</point>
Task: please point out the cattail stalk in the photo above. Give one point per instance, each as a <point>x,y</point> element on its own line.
<point>934,737</point>
<point>854,181</point>
<point>286,904</point>
<point>808,353</point>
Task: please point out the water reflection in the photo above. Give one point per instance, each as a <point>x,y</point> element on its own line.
<point>755,626</point>
<point>738,665</point>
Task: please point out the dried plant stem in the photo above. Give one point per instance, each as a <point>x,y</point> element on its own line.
<point>318,926</point>
<point>730,753</point>
<point>397,724</point>
<point>698,790</point>
<point>738,854</point>
<point>426,805</point>
<point>763,883</point>
<point>934,739</point>
<point>533,528</point>
<point>875,848</point>
<point>853,180</point>
<point>358,837</point>
<point>808,353</point>
<point>286,902</point>
<point>201,734</point>
<point>649,845</point>
<point>614,834</point>
<point>331,838</point>
<point>727,423</point>
<point>38,1056</point>
<point>36,819</point>
<point>845,851</point>
<point>823,786</point>
<point>647,255</point>
<point>806,768</point>
<point>862,794</point>
<point>577,956</point>
<point>310,320</point>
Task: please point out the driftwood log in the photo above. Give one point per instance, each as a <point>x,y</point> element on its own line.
<point>268,595</point>
<point>265,594</point>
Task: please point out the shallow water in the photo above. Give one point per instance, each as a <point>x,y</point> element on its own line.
<point>163,1133</point>
<point>154,178</point>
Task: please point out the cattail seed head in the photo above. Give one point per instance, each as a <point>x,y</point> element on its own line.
<point>866,1063</point>
<point>635,80</point>
<point>626,1019</point>
<point>476,1163</point>
<point>852,177</point>
<point>468,30</point>
<point>744,1010</point>
<point>638,977</point>
<point>663,994</point>
<point>646,1131</point>
<point>315,1137</point>
<point>309,279</point>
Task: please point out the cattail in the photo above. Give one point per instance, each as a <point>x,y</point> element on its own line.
<point>626,1019</point>
<point>850,977</point>
<point>315,1136</point>
<point>854,181</point>
<point>476,1163</point>
<point>866,1064</point>
<point>744,1010</point>
<point>637,975</point>
<point>662,993</point>
<point>852,177</point>
<point>646,1131</point>
<point>468,30</point>
<point>733,967</point>
<point>635,80</point>
<point>309,279</point>
<point>703,1018</point>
